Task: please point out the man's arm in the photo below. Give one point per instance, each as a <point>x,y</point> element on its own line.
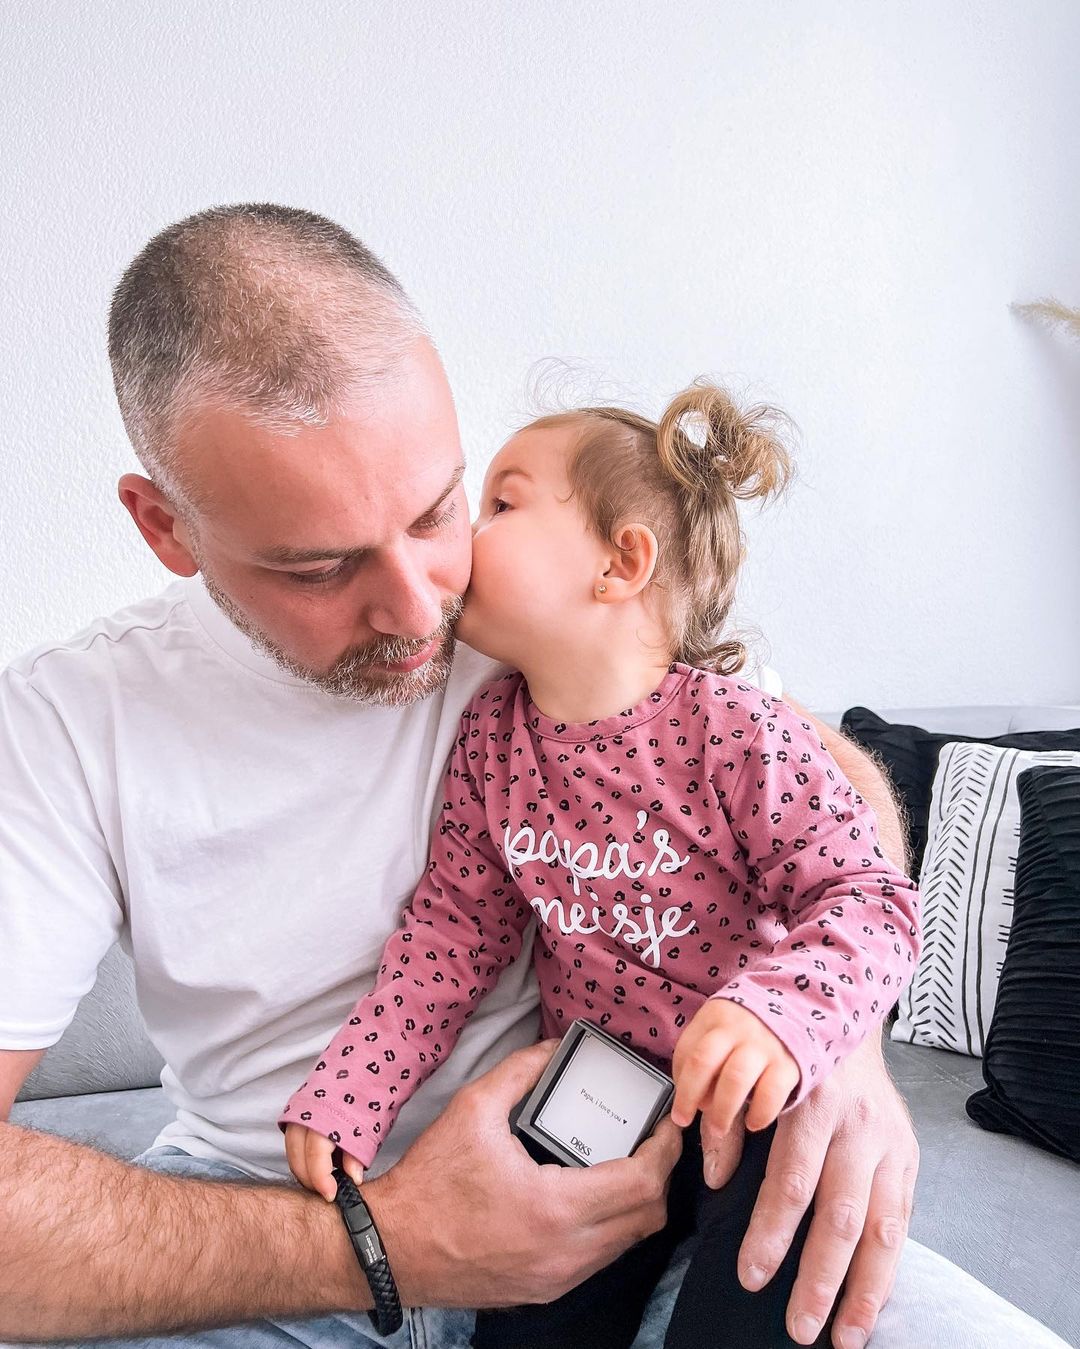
<point>90,1246</point>
<point>849,1147</point>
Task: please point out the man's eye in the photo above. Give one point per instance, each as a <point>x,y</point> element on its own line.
<point>314,578</point>
<point>433,523</point>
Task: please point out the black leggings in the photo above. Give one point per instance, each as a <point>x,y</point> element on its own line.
<point>712,1310</point>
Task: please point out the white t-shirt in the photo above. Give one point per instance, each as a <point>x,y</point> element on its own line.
<point>251,841</point>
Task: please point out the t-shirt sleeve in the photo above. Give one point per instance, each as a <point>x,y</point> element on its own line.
<point>60,903</point>
<point>463,927</point>
<point>811,847</point>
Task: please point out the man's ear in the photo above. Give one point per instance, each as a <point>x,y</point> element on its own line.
<point>159,523</point>
<point>630,567</point>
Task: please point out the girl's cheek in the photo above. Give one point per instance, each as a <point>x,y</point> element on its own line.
<point>481,562</point>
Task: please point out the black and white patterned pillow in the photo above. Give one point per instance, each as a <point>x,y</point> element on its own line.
<point>967,893</point>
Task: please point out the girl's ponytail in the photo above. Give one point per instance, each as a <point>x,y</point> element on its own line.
<point>711,447</point>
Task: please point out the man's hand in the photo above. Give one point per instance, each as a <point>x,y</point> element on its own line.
<point>725,1056</point>
<point>468,1219</point>
<point>850,1148</point>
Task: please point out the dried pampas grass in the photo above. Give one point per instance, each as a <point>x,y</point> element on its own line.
<point>1052,314</point>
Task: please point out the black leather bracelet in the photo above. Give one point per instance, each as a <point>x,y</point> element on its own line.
<point>368,1248</point>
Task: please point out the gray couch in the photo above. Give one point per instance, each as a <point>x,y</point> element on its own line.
<point>1000,1208</point>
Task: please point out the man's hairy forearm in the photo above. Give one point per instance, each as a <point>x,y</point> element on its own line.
<point>91,1246</point>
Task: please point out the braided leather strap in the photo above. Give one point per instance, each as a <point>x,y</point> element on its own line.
<point>368,1248</point>
<point>387,1316</point>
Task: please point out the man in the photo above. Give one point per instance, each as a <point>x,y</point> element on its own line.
<point>237,779</point>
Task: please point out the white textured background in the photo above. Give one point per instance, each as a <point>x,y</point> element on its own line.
<point>831,204</point>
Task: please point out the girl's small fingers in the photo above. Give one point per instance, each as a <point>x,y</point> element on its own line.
<point>737,1079</point>
<point>320,1154</point>
<point>353,1169</point>
<point>691,1094</point>
<point>723,1108</point>
<point>769,1098</point>
<point>684,1047</point>
<point>296,1152</point>
<point>695,1076</point>
<point>684,1107</point>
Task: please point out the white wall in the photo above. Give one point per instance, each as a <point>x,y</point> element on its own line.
<point>831,203</point>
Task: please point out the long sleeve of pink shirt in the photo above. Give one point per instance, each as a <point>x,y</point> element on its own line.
<point>813,859</point>
<point>463,926</point>
<point>704,844</point>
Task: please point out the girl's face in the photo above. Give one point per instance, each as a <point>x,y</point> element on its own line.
<point>536,564</point>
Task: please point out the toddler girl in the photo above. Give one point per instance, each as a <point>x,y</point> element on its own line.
<point>708,886</point>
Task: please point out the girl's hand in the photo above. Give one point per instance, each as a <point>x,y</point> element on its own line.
<point>724,1057</point>
<point>311,1160</point>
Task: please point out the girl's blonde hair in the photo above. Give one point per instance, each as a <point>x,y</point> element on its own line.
<point>682,477</point>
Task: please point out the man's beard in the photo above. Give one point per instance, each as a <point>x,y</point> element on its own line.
<point>360,672</point>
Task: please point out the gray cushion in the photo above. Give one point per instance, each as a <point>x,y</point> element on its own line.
<point>994,1205</point>
<point>105,1048</point>
<point>124,1123</point>
<point>986,720</point>
<point>981,721</point>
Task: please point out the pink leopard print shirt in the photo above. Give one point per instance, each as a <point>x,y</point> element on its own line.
<point>703,844</point>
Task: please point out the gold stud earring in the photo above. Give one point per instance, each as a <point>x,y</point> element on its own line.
<point>601,588</point>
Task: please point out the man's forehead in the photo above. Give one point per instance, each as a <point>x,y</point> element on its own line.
<point>405,414</point>
<point>326,490</point>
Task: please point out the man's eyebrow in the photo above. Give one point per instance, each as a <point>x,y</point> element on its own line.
<point>282,557</point>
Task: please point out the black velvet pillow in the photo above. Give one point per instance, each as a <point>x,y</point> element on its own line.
<point>911,756</point>
<point>1032,1059</point>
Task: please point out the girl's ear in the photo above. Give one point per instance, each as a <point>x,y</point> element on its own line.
<point>630,566</point>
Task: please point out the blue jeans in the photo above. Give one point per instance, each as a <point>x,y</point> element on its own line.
<point>934,1305</point>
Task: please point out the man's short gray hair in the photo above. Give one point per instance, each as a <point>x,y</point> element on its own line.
<point>273,310</point>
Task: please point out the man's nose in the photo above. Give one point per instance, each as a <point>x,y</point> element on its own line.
<point>406,602</point>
